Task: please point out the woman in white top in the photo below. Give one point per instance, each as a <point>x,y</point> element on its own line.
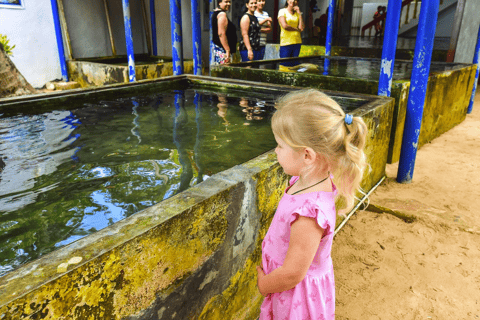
<point>266,23</point>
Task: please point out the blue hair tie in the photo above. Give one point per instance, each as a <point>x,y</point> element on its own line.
<point>348,119</point>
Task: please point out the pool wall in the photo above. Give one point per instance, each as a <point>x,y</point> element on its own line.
<point>93,73</point>
<point>446,103</point>
<point>192,256</point>
<point>272,52</point>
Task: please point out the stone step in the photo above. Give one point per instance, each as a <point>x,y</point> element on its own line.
<point>62,85</point>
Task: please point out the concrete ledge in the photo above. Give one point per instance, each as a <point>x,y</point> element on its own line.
<point>88,73</point>
<point>198,248</point>
<point>192,256</point>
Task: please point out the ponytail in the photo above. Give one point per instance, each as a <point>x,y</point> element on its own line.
<point>351,164</point>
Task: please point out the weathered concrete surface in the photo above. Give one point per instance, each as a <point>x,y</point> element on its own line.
<point>446,103</point>
<point>192,256</point>
<point>272,52</point>
<point>89,74</point>
<point>468,35</point>
<point>11,80</point>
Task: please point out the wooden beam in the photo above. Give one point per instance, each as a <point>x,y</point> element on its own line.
<point>112,42</point>
<point>146,26</point>
<point>63,22</point>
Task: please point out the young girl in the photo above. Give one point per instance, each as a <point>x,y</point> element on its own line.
<point>317,141</point>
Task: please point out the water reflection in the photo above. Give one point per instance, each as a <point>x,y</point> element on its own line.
<point>66,174</point>
<point>253,109</point>
<point>180,137</point>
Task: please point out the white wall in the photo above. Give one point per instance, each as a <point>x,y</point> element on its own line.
<point>164,35</point>
<point>467,39</point>
<point>88,29</point>
<point>31,30</point>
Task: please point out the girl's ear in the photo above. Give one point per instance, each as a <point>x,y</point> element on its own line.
<point>310,156</point>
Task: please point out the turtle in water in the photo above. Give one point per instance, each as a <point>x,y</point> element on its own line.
<point>303,67</point>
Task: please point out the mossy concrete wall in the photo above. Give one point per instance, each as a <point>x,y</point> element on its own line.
<point>446,103</point>
<point>88,73</point>
<point>193,256</point>
<point>272,52</point>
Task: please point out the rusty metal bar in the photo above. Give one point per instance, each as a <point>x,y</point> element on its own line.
<point>63,22</point>
<point>408,13</point>
<point>415,10</point>
<point>457,22</point>
<point>112,42</point>
<point>147,28</point>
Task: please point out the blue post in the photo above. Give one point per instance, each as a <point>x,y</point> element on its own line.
<point>176,25</point>
<point>328,40</point>
<point>154,27</point>
<point>418,87</point>
<point>389,46</point>
<point>127,21</point>
<point>477,62</point>
<point>210,42</point>
<point>59,36</point>
<point>197,39</point>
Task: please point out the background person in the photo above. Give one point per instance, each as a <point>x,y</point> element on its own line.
<point>224,34</point>
<point>266,23</point>
<point>322,24</point>
<point>250,28</point>
<point>291,25</point>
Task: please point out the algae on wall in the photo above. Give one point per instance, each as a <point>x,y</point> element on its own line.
<point>191,256</point>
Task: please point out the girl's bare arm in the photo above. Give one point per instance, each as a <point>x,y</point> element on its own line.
<point>305,237</point>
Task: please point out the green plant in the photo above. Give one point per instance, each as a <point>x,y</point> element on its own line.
<point>6,47</point>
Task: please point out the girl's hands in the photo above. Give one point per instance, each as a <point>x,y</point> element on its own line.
<point>260,276</point>
<point>297,9</point>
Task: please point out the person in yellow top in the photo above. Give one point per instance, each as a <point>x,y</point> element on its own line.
<point>291,25</point>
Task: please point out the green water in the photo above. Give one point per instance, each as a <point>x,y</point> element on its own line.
<point>66,174</point>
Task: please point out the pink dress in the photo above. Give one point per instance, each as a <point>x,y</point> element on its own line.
<point>314,297</point>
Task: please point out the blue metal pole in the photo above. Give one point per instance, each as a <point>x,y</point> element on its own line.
<point>389,46</point>
<point>210,42</point>
<point>127,21</point>
<point>328,41</point>
<point>176,25</point>
<point>197,39</point>
<point>477,62</point>
<point>418,88</point>
<point>59,36</point>
<point>153,23</point>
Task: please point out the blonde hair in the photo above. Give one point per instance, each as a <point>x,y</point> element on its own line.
<point>309,118</point>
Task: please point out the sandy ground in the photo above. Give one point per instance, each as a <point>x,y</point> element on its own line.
<point>421,260</point>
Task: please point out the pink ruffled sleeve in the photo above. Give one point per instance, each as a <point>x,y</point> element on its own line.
<point>310,209</point>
